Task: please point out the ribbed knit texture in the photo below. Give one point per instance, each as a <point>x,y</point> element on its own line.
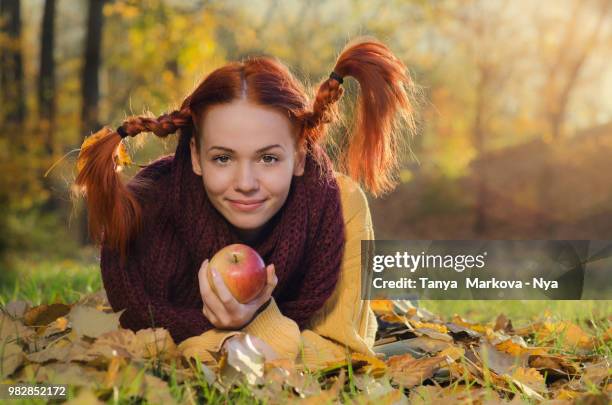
<point>158,286</point>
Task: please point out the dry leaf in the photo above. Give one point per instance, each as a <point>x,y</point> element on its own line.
<point>243,356</point>
<point>157,343</point>
<point>90,140</point>
<point>87,321</point>
<point>45,314</point>
<point>11,357</point>
<point>499,362</point>
<point>516,346</point>
<point>373,366</point>
<point>597,373</point>
<point>409,372</point>
<point>429,326</point>
<point>530,377</point>
<point>17,309</point>
<point>570,334</point>
<point>427,344</point>
<point>381,307</point>
<point>554,365</point>
<point>454,353</point>
<point>459,321</point>
<point>11,329</point>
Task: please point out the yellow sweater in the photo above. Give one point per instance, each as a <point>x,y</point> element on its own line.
<point>344,321</point>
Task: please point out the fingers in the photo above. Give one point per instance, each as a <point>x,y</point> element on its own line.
<point>272,279</point>
<point>271,282</point>
<point>202,278</point>
<point>225,296</point>
<point>210,299</point>
<point>210,315</point>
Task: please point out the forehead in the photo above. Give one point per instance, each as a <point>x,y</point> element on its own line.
<point>242,125</point>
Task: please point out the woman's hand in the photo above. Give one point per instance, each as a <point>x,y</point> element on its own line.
<point>224,311</point>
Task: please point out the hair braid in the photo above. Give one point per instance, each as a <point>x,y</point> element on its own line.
<point>324,110</point>
<point>161,126</point>
<point>114,212</point>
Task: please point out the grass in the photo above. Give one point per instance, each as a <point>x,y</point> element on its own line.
<point>43,281</point>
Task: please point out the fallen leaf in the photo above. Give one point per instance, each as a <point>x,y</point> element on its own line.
<point>87,321</point>
<point>498,361</point>
<point>454,353</point>
<point>440,328</point>
<point>503,323</point>
<point>427,344</point>
<point>373,366</point>
<point>157,343</point>
<point>570,334</point>
<point>409,372</point>
<point>243,356</point>
<point>45,314</point>
<point>551,364</point>
<point>11,357</point>
<point>17,309</point>
<point>530,377</point>
<point>11,329</point>
<point>516,346</point>
<point>381,307</point>
<point>597,373</point>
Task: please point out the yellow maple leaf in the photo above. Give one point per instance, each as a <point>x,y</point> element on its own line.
<point>382,306</point>
<point>530,377</point>
<point>428,325</point>
<point>569,333</point>
<point>120,157</point>
<point>511,346</point>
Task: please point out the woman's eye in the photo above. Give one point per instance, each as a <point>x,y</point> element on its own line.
<point>269,159</point>
<point>221,159</point>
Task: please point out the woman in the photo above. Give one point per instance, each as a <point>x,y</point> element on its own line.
<point>249,168</point>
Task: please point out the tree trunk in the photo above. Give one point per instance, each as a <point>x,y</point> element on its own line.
<point>46,99</point>
<point>90,89</point>
<point>11,65</point>
<point>46,77</point>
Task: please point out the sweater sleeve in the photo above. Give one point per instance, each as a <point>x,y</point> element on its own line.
<point>344,321</point>
<point>125,290</point>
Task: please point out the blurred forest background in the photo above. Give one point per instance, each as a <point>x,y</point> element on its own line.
<point>514,106</point>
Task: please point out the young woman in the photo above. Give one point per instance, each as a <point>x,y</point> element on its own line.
<point>250,168</point>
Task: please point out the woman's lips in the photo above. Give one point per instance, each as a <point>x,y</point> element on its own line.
<point>246,207</point>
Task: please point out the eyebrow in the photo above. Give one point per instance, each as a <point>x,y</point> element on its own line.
<point>257,151</point>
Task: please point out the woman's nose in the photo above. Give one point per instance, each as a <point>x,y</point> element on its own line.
<point>246,179</point>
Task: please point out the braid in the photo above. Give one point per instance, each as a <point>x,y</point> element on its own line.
<point>161,126</point>
<point>114,211</point>
<point>324,110</point>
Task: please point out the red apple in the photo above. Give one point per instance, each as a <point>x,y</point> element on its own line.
<point>242,270</point>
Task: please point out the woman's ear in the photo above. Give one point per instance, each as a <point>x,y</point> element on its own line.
<point>195,157</point>
<point>300,162</point>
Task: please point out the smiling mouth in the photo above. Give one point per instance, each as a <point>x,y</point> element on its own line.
<point>248,206</point>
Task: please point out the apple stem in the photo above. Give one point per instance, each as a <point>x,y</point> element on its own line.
<point>235,256</point>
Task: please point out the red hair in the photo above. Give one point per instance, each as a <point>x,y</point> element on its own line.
<point>373,151</point>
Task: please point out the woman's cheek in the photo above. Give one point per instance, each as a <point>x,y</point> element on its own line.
<point>217,181</point>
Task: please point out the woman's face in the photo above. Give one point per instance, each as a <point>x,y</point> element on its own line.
<point>247,160</point>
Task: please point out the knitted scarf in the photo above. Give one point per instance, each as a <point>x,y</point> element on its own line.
<point>159,285</point>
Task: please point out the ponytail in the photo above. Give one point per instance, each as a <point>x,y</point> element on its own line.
<point>114,213</point>
<point>383,103</point>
